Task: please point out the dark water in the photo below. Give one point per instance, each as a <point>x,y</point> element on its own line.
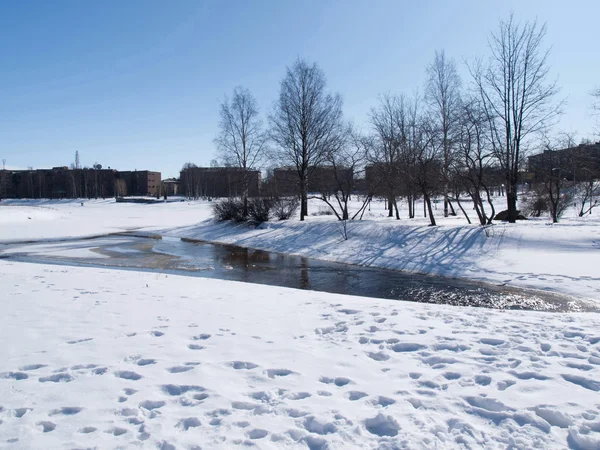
<point>172,255</point>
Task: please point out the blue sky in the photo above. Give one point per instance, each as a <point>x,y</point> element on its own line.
<point>137,84</point>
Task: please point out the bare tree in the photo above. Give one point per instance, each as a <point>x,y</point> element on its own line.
<point>384,151</point>
<point>442,93</point>
<point>474,160</point>
<point>428,150</point>
<point>306,123</point>
<point>241,141</point>
<point>552,175</point>
<point>587,190</point>
<point>596,104</point>
<point>344,165</point>
<point>120,187</point>
<point>517,96</point>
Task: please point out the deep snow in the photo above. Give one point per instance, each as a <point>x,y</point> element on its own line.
<point>115,359</point>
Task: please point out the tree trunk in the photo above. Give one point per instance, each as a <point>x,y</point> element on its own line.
<point>463,210</point>
<point>390,203</point>
<point>511,203</point>
<point>446,203</point>
<point>431,218</point>
<point>453,213</point>
<point>303,197</point>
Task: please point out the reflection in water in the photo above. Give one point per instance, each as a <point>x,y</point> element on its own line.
<point>304,281</point>
<point>255,266</point>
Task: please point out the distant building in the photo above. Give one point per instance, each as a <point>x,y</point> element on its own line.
<point>62,182</point>
<point>196,182</point>
<point>322,179</point>
<point>56,183</point>
<point>576,163</point>
<point>170,187</point>
<point>141,182</point>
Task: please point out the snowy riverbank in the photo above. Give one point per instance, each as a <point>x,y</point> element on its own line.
<point>561,258</point>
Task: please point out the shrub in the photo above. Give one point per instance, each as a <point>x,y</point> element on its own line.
<point>229,209</point>
<point>536,205</point>
<point>259,209</point>
<point>322,211</point>
<point>284,208</point>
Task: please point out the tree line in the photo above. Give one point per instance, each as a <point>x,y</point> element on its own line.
<point>456,139</point>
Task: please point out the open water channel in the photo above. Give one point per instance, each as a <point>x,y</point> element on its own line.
<point>226,262</point>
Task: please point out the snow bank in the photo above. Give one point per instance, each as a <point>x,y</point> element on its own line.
<point>108,358</point>
<point>562,258</point>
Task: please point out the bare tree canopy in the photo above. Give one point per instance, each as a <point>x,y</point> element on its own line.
<point>596,105</point>
<point>442,94</point>
<point>517,96</point>
<point>384,152</point>
<point>241,139</point>
<point>306,123</point>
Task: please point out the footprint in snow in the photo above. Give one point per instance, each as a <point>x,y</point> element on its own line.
<point>382,401</point>
<point>179,389</point>
<point>146,361</point>
<point>179,369</point>
<point>243,405</point>
<point>338,381</point>
<point>382,425</point>
<point>128,375</point>
<point>272,373</point>
<point>56,378</point>
<point>32,367</point>
<point>257,433</point>
<point>201,337</point>
<point>186,424</point>
<point>14,375</point>
<point>77,341</point>
<point>47,426</point>
<point>20,412</point>
<point>152,404</point>
<point>116,431</point>
<point>356,395</point>
<point>242,365</point>
<point>66,411</point>
<point>378,356</point>
<point>492,341</point>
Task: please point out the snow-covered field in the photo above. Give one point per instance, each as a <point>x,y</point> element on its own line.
<point>113,359</point>
<point>120,359</point>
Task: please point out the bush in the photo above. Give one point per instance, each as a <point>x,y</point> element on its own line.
<point>229,209</point>
<point>322,211</point>
<point>536,205</point>
<point>284,208</point>
<point>259,209</point>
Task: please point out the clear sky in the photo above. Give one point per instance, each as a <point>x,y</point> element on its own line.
<point>136,84</point>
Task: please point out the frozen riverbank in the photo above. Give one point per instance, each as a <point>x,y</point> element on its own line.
<point>560,258</point>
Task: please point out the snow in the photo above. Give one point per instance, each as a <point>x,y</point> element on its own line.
<point>562,258</point>
<point>109,358</point>
<point>95,357</point>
